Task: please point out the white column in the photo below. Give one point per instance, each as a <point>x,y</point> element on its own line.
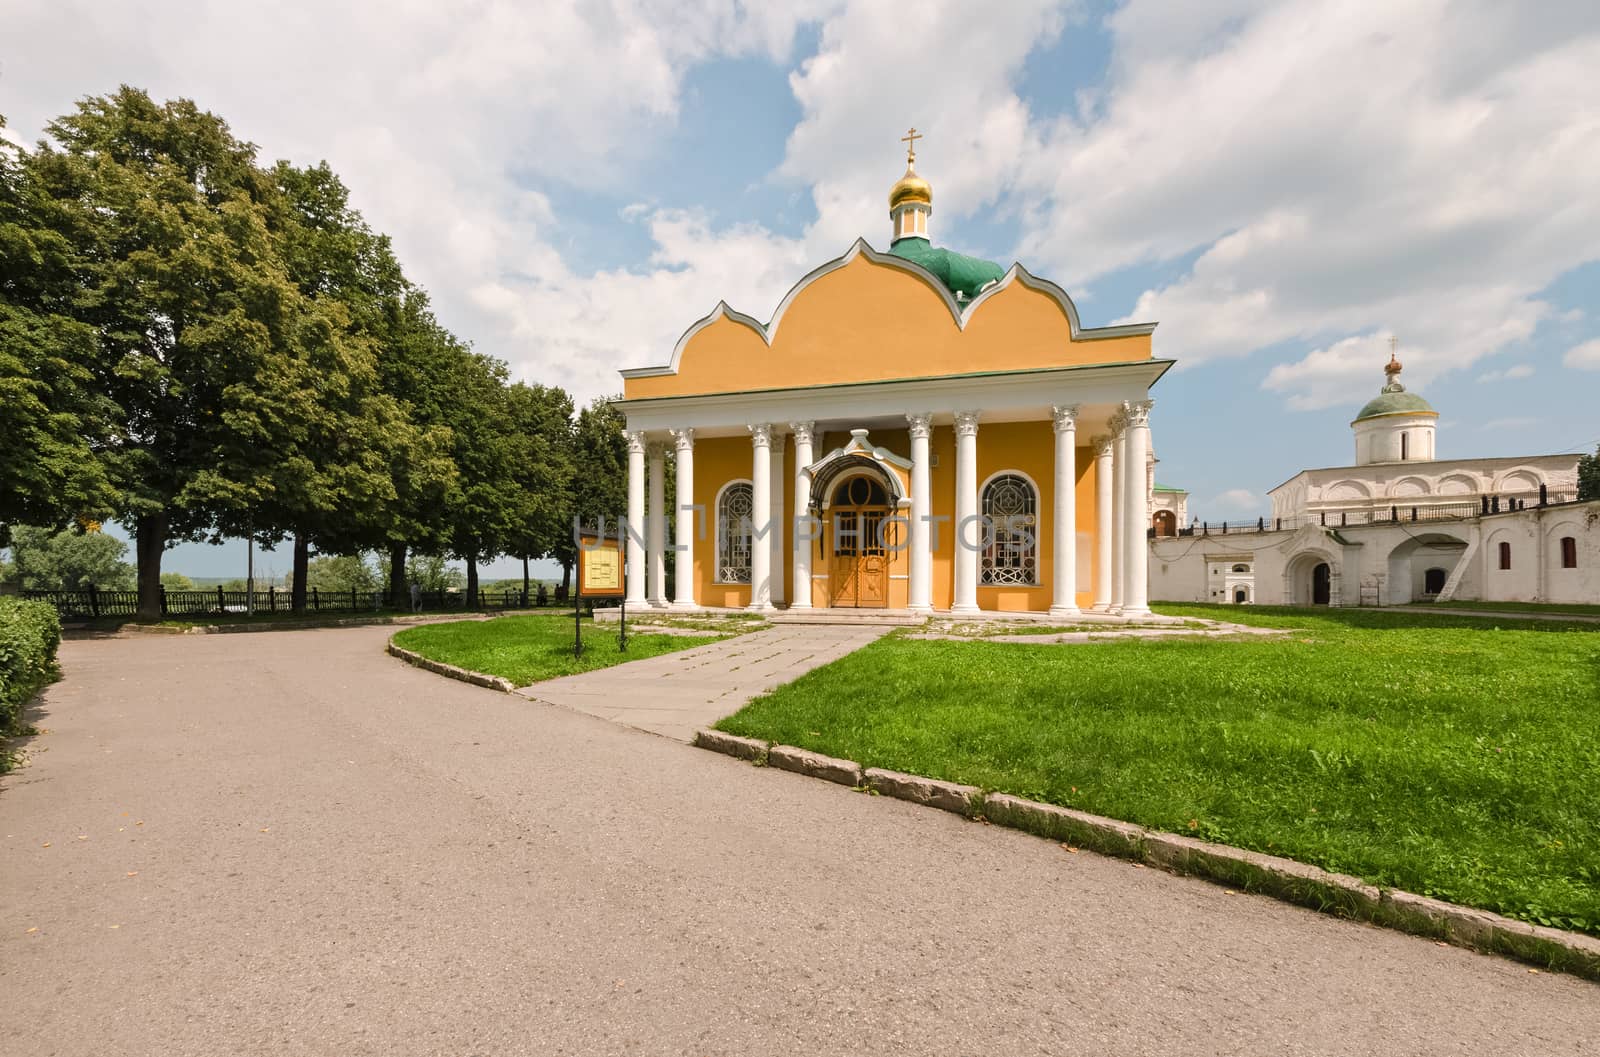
<point>802,507</point>
<point>1119,511</point>
<point>1064,543</point>
<point>1136,596</point>
<point>969,533</point>
<point>656,515</point>
<point>635,529</point>
<point>760,515</point>
<point>1104,528</point>
<point>683,533</point>
<point>920,589</point>
<point>780,528</point>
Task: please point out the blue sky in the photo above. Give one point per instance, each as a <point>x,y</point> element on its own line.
<point>1281,185</point>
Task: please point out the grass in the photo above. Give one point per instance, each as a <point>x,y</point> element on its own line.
<point>530,649</point>
<point>1440,754</point>
<point>1551,608</point>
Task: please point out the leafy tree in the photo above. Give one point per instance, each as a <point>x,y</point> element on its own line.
<point>481,507</point>
<point>432,573</point>
<point>600,476</point>
<point>51,422</point>
<point>1589,475</point>
<point>342,574</point>
<point>540,420</point>
<point>177,272</point>
<point>176,582</point>
<point>70,561</point>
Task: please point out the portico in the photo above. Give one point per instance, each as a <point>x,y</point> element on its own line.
<point>913,430</point>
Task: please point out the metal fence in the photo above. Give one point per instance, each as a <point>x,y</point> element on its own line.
<point>1482,506</point>
<point>94,603</point>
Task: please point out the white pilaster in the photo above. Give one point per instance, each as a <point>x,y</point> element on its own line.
<point>1064,545</point>
<point>1136,596</point>
<point>683,533</point>
<point>760,515</point>
<point>1104,527</point>
<point>1119,512</point>
<point>920,593</point>
<point>656,516</point>
<point>969,532</point>
<point>780,527</point>
<point>802,506</point>
<point>635,531</point>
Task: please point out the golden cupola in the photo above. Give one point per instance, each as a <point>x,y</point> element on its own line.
<point>911,198</point>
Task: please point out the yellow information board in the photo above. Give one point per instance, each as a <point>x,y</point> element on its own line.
<point>600,567</point>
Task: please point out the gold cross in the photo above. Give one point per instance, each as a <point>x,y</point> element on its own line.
<point>910,140</point>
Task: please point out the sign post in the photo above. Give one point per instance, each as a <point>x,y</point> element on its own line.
<point>600,575</point>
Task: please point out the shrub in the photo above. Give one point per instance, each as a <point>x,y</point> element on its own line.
<point>29,635</point>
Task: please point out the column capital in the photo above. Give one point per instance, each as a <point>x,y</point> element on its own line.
<point>656,449</point>
<point>760,434</point>
<point>803,431</point>
<point>682,439</point>
<point>1117,423</point>
<point>1102,443</point>
<point>1137,412</point>
<point>921,424</point>
<point>636,441</point>
<point>1065,417</point>
<point>966,423</point>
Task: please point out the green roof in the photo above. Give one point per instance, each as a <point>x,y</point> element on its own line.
<point>962,274</point>
<point>1395,400</point>
<point>1168,488</point>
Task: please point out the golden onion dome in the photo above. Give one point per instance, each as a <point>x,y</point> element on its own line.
<point>911,188</point>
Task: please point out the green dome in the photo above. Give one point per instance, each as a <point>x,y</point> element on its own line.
<point>964,275</point>
<point>1397,402</point>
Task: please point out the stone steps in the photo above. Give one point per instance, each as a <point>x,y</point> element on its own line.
<point>879,617</point>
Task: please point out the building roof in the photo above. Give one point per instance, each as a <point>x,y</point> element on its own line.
<point>1395,402</point>
<point>1168,488</point>
<point>963,275</point>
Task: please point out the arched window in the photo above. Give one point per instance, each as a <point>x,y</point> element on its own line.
<point>734,508</point>
<point>1569,552</point>
<point>1241,568</point>
<point>1011,537</point>
<point>1505,555</point>
<point>1405,446</point>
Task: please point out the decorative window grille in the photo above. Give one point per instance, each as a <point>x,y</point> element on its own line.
<point>734,526</point>
<point>1011,511</point>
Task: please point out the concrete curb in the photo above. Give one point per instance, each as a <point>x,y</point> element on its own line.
<point>450,671</point>
<point>401,619</point>
<point>1285,879</point>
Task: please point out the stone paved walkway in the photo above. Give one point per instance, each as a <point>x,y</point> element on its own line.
<point>678,693</point>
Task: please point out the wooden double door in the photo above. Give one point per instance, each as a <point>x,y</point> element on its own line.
<point>859,545</point>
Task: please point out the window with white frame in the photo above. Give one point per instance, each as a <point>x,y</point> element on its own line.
<point>1011,543</point>
<point>734,524</point>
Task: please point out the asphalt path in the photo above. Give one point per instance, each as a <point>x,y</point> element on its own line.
<point>289,843</point>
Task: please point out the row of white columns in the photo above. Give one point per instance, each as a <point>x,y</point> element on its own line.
<point>1121,503</point>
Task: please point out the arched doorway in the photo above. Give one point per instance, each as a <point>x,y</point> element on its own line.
<point>858,543</point>
<point>1433,581</point>
<point>1240,596</point>
<point>1321,584</point>
<point>1165,522</point>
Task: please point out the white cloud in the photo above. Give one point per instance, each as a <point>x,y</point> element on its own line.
<point>1584,357</point>
<point>1341,167</point>
<point>1509,374</point>
<point>1234,501</point>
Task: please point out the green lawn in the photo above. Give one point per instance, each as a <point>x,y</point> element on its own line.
<point>529,649</point>
<point>1443,755</point>
<point>1552,608</point>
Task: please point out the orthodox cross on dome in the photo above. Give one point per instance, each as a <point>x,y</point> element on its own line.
<point>910,140</point>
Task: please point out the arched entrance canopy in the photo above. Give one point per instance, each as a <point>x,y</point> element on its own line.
<point>857,458</point>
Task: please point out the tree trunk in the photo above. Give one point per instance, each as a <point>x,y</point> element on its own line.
<point>524,581</point>
<point>399,594</point>
<point>566,578</point>
<point>302,567</point>
<point>472,581</point>
<point>150,542</point>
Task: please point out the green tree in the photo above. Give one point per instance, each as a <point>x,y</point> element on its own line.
<point>1589,475</point>
<point>51,422</point>
<point>176,582</point>
<point>481,508</point>
<point>70,561</point>
<point>432,572</point>
<point>600,477</point>
<point>177,271</point>
<point>343,573</point>
<point>540,419</point>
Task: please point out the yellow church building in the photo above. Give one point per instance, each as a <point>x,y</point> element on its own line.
<point>913,430</point>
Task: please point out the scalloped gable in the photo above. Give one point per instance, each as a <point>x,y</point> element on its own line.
<point>868,317</point>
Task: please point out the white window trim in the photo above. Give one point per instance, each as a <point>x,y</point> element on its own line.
<point>716,550</point>
<point>1040,528</point>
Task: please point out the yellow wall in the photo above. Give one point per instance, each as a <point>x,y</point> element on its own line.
<point>871,322</point>
<point>717,460</point>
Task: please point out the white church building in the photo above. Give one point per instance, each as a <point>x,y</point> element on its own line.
<point>1398,526</point>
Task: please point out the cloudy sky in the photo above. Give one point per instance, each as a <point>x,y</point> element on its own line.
<point>1281,185</point>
